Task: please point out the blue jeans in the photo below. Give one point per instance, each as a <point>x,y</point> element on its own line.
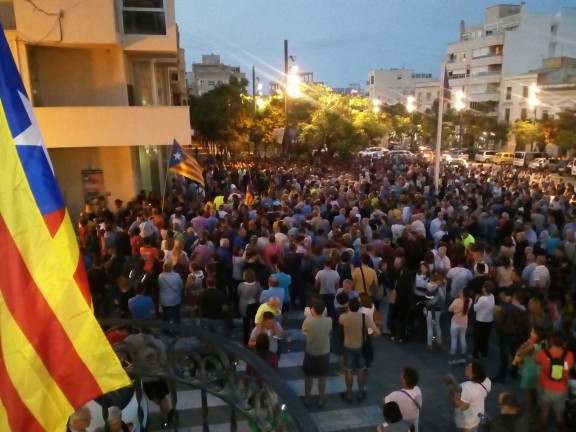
<point>171,313</point>
<point>215,325</point>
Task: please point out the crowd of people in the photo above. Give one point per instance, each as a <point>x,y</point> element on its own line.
<point>364,248</point>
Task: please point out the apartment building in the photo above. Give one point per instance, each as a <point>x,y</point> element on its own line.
<point>553,85</point>
<point>425,94</point>
<point>209,74</point>
<point>107,85</point>
<point>392,86</point>
<point>510,41</point>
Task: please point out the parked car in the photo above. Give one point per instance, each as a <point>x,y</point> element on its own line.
<point>457,163</point>
<point>401,153</point>
<point>540,164</point>
<point>485,156</point>
<point>565,167</point>
<point>503,158</point>
<point>374,152</point>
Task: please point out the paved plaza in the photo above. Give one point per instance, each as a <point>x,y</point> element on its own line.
<point>383,377</point>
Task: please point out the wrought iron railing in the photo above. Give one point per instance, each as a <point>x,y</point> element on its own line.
<point>209,362</point>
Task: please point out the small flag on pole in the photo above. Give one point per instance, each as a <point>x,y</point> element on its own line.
<point>54,356</point>
<point>249,198</point>
<point>185,164</point>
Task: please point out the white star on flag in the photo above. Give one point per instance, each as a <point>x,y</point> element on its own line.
<point>177,156</point>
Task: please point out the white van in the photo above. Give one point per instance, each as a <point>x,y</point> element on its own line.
<point>523,158</point>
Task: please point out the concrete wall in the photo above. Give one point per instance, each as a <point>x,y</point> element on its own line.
<point>80,77</point>
<point>113,126</point>
<point>115,162</point>
<point>90,22</point>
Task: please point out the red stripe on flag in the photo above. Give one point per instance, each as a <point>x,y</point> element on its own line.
<point>20,417</point>
<point>41,327</point>
<point>54,220</point>
<point>81,280</point>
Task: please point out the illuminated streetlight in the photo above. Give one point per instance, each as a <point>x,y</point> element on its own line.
<point>411,107</point>
<point>376,105</point>
<point>459,105</point>
<point>410,104</point>
<point>293,83</point>
<point>533,101</point>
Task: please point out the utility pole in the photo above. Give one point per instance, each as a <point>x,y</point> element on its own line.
<point>285,137</point>
<point>254,88</point>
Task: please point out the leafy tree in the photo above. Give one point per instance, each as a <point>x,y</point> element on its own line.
<point>526,133</point>
<point>566,129</point>
<point>223,115</point>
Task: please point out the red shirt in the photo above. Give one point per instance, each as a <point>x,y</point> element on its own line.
<point>149,254</point>
<point>544,380</point>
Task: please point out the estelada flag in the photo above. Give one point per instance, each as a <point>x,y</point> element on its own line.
<point>54,356</point>
<point>185,164</point>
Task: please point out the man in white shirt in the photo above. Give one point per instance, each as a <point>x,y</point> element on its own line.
<point>409,397</point>
<point>436,222</point>
<point>470,402</point>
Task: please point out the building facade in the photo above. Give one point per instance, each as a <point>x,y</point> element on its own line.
<point>510,41</point>
<point>392,86</point>
<point>211,73</point>
<point>108,93</point>
<point>425,94</point>
<point>555,84</point>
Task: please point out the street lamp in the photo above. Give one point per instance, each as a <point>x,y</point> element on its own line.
<point>411,107</point>
<point>533,102</point>
<point>376,103</point>
<point>292,90</point>
<point>459,105</point>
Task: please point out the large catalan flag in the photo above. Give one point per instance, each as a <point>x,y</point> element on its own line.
<point>53,355</point>
<point>185,164</point>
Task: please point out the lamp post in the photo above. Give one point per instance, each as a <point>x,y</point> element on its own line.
<point>459,105</point>
<point>533,103</point>
<point>411,107</point>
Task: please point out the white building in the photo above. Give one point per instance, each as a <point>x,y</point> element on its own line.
<point>510,41</point>
<point>209,74</point>
<point>555,81</point>
<point>426,93</point>
<point>392,86</point>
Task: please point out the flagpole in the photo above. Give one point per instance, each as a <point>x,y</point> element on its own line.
<point>439,130</point>
<point>165,182</point>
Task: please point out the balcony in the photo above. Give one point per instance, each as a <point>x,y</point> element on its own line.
<point>69,127</point>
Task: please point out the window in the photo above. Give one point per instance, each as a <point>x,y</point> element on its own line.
<point>480,70</point>
<point>399,77</point>
<point>144,17</point>
<point>372,79</point>
<point>554,29</point>
<point>507,115</point>
<point>508,93</point>
<point>457,73</point>
<point>525,91</point>
<point>211,83</point>
<point>428,96</point>
<point>524,114</point>
<point>481,52</point>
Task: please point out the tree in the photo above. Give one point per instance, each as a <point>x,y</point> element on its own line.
<point>566,129</point>
<point>526,133</point>
<point>223,115</point>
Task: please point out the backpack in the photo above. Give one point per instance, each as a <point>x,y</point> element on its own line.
<point>556,372</point>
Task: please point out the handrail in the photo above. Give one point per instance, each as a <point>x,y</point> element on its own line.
<point>210,364</point>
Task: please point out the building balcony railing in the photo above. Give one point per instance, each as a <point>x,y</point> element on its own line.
<point>108,126</point>
<point>204,360</point>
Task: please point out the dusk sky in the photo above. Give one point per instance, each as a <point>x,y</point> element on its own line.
<point>340,41</point>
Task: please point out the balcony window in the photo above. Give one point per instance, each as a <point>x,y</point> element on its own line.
<point>507,115</point>
<point>144,17</point>
<point>508,93</point>
<point>524,114</point>
<point>481,52</point>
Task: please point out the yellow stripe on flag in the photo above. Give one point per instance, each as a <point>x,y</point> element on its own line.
<point>4,426</point>
<point>28,374</point>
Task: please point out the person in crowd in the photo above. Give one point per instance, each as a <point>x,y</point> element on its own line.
<point>408,398</point>
<point>213,308</point>
<point>393,420</point>
<point>399,300</point>
<point>354,325</point>
<point>171,286</point>
<point>469,403</point>
<point>511,418</point>
<point>459,323</point>
<point>556,362</point>
<point>80,420</point>
<point>316,330</point>
<point>271,328</point>
<point>248,302</point>
<point>484,309</point>
<point>327,281</point>
<point>513,328</point>
<point>525,359</point>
